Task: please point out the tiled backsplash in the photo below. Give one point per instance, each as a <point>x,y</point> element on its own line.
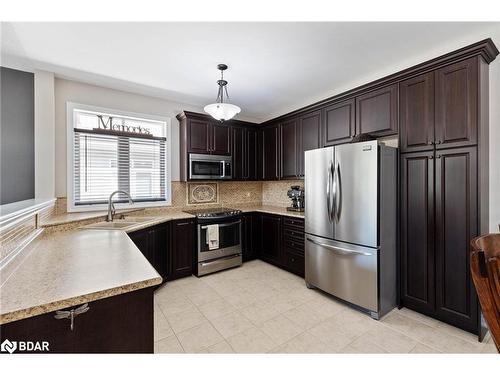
<point>274,192</point>
<point>271,193</point>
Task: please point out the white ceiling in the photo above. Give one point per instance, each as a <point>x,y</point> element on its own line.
<point>273,67</point>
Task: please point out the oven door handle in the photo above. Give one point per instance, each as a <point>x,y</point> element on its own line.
<point>223,225</point>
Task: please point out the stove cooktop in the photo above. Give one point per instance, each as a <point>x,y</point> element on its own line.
<point>214,212</point>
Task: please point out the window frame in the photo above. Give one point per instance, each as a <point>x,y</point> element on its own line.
<point>70,152</point>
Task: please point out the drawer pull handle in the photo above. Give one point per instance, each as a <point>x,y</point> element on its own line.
<point>65,314</point>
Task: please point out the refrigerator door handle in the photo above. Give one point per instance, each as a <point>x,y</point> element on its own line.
<point>331,175</point>
<point>339,250</point>
<point>338,192</point>
<point>329,202</point>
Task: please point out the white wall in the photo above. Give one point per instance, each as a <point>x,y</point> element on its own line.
<point>44,135</point>
<point>71,91</point>
<point>495,138</point>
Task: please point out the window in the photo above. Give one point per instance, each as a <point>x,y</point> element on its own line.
<point>111,150</point>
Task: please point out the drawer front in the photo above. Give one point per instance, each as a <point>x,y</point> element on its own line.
<point>294,263</point>
<point>293,233</point>
<point>294,247</point>
<point>288,221</point>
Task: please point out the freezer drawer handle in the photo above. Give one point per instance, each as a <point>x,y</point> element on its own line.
<point>339,250</point>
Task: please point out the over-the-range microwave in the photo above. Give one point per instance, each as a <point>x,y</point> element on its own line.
<point>210,167</point>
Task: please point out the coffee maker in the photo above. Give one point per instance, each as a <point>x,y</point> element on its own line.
<point>296,194</point>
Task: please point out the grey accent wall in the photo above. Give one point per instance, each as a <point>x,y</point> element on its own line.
<point>17,129</point>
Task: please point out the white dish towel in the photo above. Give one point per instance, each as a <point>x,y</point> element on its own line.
<point>213,236</point>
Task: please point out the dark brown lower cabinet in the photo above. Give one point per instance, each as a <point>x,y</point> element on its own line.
<point>249,240</point>
<point>270,250</point>
<point>417,231</point>
<point>456,225</point>
<point>118,324</point>
<point>280,241</point>
<point>439,217</point>
<point>183,246</point>
<point>154,244</point>
<point>168,247</point>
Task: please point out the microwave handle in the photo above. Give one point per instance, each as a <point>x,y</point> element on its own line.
<point>223,169</point>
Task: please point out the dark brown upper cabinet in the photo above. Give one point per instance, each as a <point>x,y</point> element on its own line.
<point>417,231</point>
<point>221,139</point>
<point>339,123</point>
<point>456,225</point>
<point>238,153</point>
<point>208,137</point>
<point>289,149</point>
<point>377,112</point>
<point>456,104</point>
<point>244,153</point>
<point>270,152</point>
<point>417,113</point>
<point>309,136</point>
<point>198,136</point>
<point>251,162</point>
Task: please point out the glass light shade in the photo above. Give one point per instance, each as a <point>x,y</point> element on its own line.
<point>222,111</point>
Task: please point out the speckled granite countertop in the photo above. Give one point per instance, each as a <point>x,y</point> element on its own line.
<point>68,268</point>
<point>269,210</point>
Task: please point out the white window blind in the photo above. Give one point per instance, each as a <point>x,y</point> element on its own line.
<point>118,154</point>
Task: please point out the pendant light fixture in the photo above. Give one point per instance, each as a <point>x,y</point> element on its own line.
<point>221,110</point>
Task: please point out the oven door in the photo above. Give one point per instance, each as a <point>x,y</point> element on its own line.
<point>209,167</point>
<point>229,240</point>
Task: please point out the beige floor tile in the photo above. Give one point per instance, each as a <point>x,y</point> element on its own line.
<point>311,313</point>
<point>390,340</point>
<point>363,345</point>
<point>259,312</point>
<point>240,298</point>
<point>411,327</point>
<point>424,349</point>
<point>280,329</point>
<point>174,305</point>
<point>203,295</point>
<point>252,340</point>
<point>420,317</point>
<point>216,308</point>
<point>168,345</point>
<point>220,348</point>
<point>489,348</point>
<point>284,302</point>
<point>162,328</point>
<point>186,319</point>
<point>197,338</point>
<point>333,334</point>
<point>303,343</point>
<point>464,335</point>
<point>231,324</point>
<point>449,344</point>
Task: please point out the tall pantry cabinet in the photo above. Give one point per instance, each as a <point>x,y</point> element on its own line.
<point>444,188</point>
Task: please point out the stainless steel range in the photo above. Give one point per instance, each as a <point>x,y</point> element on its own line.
<point>219,239</point>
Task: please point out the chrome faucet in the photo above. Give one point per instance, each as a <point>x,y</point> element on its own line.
<point>111,206</point>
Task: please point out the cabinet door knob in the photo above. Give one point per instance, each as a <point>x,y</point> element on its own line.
<point>438,156</point>
<point>439,142</point>
<point>431,157</point>
<point>430,143</point>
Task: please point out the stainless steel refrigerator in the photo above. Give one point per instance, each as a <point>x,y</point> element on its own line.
<point>351,225</point>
